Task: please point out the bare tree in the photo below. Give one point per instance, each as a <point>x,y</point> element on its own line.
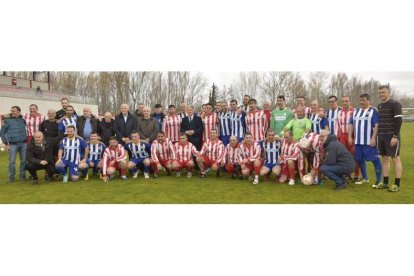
<point>275,84</point>
<point>317,86</point>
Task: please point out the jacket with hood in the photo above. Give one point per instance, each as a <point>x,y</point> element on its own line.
<point>336,154</point>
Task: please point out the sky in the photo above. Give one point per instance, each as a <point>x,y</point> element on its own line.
<point>402,81</point>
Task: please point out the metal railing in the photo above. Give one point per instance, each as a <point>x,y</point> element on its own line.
<point>27,93</point>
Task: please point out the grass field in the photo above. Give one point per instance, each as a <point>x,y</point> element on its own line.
<point>209,190</point>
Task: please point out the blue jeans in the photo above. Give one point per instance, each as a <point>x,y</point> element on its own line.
<point>14,148</point>
<point>335,172</point>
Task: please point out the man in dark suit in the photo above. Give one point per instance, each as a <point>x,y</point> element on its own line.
<point>40,156</point>
<point>125,123</point>
<point>192,125</point>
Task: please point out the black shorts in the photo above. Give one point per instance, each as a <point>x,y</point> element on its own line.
<point>385,149</point>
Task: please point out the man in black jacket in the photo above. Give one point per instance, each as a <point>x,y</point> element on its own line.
<point>106,128</point>
<point>49,128</point>
<point>40,156</point>
<point>338,161</point>
<point>62,112</point>
<point>86,124</point>
<point>125,123</point>
<point>192,125</point>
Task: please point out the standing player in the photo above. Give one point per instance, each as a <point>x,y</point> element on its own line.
<point>171,125</point>
<point>256,122</point>
<point>317,118</point>
<point>231,158</point>
<point>389,139</point>
<point>344,116</point>
<point>114,158</point>
<point>211,154</point>
<point>363,131</point>
<point>332,115</point>
<point>292,159</point>
<point>249,158</point>
<point>184,152</point>
<point>300,101</point>
<point>139,155</point>
<point>298,125</point>
<point>68,120</point>
<point>69,155</point>
<point>162,155</point>
<point>210,121</point>
<point>238,121</point>
<point>280,116</point>
<point>33,120</point>
<point>96,150</point>
<point>271,148</point>
<point>225,123</point>
<point>183,109</point>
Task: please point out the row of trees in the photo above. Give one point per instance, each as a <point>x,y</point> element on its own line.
<point>110,89</point>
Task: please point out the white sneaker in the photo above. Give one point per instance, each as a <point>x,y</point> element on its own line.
<point>292,182</point>
<point>362,181</point>
<point>124,177</point>
<point>256,181</point>
<point>189,175</point>
<point>146,175</point>
<point>135,175</point>
<point>177,174</point>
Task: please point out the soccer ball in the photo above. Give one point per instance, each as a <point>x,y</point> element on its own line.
<point>304,143</point>
<point>308,179</point>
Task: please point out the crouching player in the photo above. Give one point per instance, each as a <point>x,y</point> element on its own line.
<point>162,155</point>
<point>231,158</point>
<point>271,148</point>
<point>184,152</point>
<point>114,158</point>
<point>139,155</point>
<point>292,159</point>
<point>69,155</point>
<point>310,145</point>
<point>249,158</point>
<point>211,154</point>
<point>96,150</point>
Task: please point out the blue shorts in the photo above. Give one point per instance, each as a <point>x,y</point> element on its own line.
<point>366,153</point>
<point>95,163</point>
<point>225,139</point>
<point>138,161</point>
<point>73,167</point>
<point>270,166</point>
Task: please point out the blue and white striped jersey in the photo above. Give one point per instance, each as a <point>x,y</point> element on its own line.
<point>96,150</point>
<point>318,123</point>
<point>225,123</point>
<point>364,121</point>
<point>65,122</point>
<point>271,151</point>
<point>73,149</point>
<point>332,116</point>
<point>140,150</point>
<point>238,124</point>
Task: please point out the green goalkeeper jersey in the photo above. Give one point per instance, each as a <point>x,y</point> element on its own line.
<point>280,117</point>
<point>298,127</point>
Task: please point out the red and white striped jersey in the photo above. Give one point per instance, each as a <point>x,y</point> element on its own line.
<point>257,124</point>
<point>291,151</point>
<point>33,123</point>
<point>343,119</point>
<point>109,155</point>
<point>214,150</point>
<point>184,152</point>
<point>231,154</point>
<point>162,151</point>
<point>171,126</point>
<point>316,147</point>
<point>250,152</point>
<point>308,112</point>
<point>210,122</point>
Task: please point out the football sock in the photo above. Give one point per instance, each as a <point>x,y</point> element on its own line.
<point>378,169</point>
<point>363,168</point>
<point>386,180</point>
<point>397,182</point>
<point>292,173</point>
